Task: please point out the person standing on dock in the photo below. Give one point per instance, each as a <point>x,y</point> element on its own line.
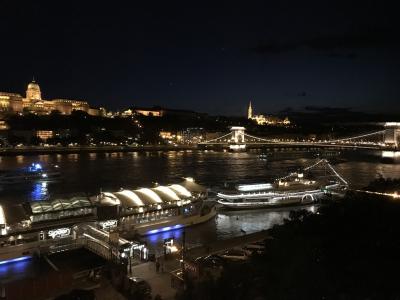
<point>157,265</point>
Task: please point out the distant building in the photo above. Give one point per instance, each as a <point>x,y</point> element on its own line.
<point>148,112</point>
<point>160,112</point>
<point>193,135</point>
<point>44,134</point>
<point>266,120</point>
<point>33,102</point>
<point>3,125</point>
<point>170,137</point>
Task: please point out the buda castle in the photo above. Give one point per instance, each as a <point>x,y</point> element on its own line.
<point>33,102</point>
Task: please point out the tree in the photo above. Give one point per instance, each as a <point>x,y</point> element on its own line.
<point>35,140</point>
<point>347,251</point>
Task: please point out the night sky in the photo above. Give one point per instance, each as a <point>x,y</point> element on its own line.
<point>203,56</point>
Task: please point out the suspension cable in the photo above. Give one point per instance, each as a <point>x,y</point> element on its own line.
<point>209,141</point>
<point>359,136</point>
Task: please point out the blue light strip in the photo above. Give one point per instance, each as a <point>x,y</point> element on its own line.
<point>8,261</point>
<point>164,229</point>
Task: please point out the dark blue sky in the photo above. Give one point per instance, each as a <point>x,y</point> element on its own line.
<point>212,57</point>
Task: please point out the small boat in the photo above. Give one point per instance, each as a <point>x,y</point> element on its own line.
<point>34,172</point>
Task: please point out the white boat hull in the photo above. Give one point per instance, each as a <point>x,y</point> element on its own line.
<point>173,224</point>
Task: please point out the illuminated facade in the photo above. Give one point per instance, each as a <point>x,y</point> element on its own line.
<point>44,134</point>
<point>266,120</point>
<point>33,102</point>
<point>149,112</point>
<point>3,125</point>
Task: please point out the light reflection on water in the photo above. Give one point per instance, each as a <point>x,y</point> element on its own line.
<point>109,171</point>
<point>39,191</point>
<point>227,224</point>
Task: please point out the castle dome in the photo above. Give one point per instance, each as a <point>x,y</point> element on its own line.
<point>33,85</point>
<point>33,91</point>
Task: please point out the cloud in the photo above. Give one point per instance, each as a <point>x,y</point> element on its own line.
<point>327,109</point>
<point>334,45</point>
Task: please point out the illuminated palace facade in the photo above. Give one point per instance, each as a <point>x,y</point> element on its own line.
<point>33,102</point>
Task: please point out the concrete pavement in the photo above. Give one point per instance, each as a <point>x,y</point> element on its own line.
<point>160,282</point>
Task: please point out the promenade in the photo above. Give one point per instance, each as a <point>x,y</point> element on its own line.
<point>160,282</point>
<point>30,150</point>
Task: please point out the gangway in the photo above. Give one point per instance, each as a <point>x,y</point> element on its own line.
<point>99,242</point>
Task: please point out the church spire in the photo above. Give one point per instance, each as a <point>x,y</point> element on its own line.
<point>250,111</point>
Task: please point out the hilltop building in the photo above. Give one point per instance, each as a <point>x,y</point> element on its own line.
<point>266,120</point>
<point>33,102</point>
<point>158,111</point>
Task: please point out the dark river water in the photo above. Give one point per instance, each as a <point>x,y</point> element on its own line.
<point>91,172</point>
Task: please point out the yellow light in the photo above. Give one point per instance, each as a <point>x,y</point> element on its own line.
<point>173,249</point>
<point>2,216</point>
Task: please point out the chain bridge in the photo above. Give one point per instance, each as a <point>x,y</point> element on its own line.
<point>237,139</point>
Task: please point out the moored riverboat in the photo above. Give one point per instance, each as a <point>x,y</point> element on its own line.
<point>292,190</point>
<point>147,211</point>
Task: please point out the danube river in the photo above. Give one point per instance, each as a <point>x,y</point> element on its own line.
<point>92,172</point>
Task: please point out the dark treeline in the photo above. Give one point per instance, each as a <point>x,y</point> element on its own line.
<point>384,185</point>
<point>146,129</point>
<point>77,120</point>
<point>350,250</point>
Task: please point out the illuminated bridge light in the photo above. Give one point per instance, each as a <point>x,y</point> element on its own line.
<point>392,124</point>
<point>394,195</point>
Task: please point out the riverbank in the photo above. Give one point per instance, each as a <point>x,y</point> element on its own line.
<point>34,150</point>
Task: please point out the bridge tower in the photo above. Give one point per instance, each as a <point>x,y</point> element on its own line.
<point>237,134</point>
<point>392,134</point>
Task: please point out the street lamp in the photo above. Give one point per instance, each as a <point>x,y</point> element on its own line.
<point>131,256</point>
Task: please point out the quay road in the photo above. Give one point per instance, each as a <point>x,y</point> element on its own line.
<point>160,282</point>
<point>10,151</point>
<point>31,150</point>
